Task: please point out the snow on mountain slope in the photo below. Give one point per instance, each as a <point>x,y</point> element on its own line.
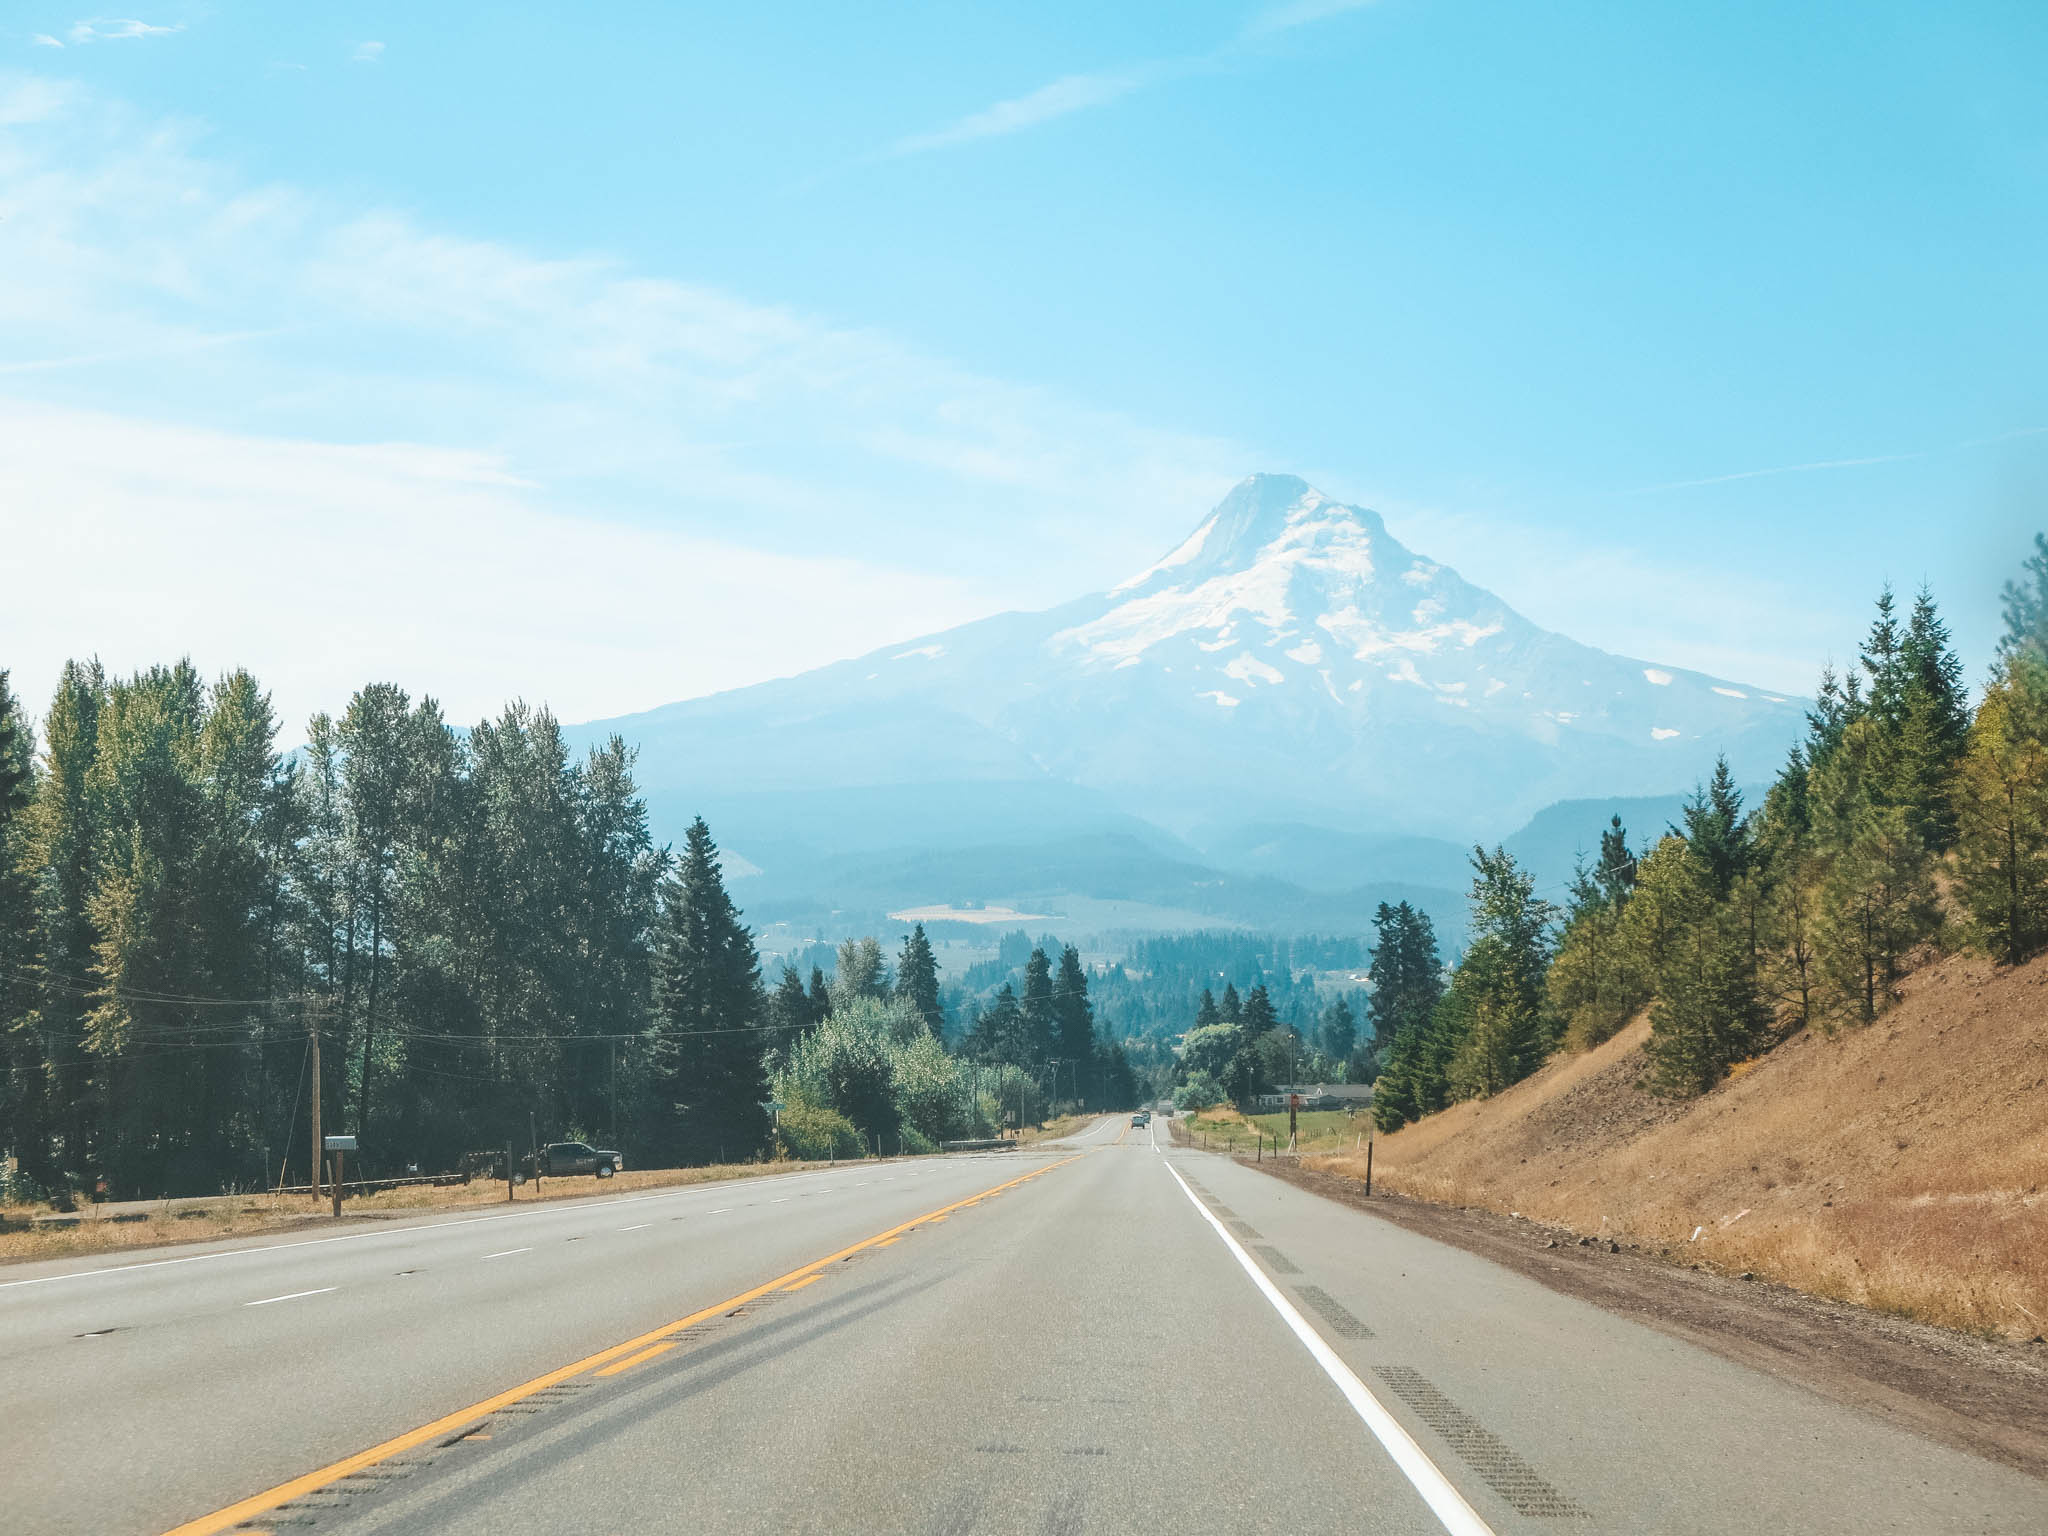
<point>1290,661</point>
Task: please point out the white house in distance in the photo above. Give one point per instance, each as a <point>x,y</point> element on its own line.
<point>1350,1096</point>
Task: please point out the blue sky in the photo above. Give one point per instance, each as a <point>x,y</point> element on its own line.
<point>507,350</point>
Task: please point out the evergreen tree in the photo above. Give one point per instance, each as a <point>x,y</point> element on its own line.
<point>1616,872</point>
<point>2002,858</point>
<point>1337,1035</point>
<point>1500,1027</point>
<point>2026,610</point>
<point>1406,973</point>
<point>1233,1010</point>
<point>1040,1028</point>
<point>1877,896</point>
<point>1709,1012</point>
<point>1716,830</point>
<point>788,1011</point>
<point>997,1034</point>
<point>917,980</point>
<point>821,996</point>
<point>1208,1015</point>
<point>1933,728</point>
<point>1259,1016</point>
<point>706,1053</point>
<point>24,1085</point>
<point>1074,1024</point>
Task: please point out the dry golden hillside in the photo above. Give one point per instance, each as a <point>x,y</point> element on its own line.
<point>1903,1166</point>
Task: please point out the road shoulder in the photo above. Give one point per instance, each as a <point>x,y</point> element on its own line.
<point>1980,1396</point>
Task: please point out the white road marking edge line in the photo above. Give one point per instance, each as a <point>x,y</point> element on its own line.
<point>294,1296</point>
<point>1438,1492</point>
<point>506,1253</point>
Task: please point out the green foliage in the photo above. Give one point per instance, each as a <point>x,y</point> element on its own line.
<point>813,1133</point>
<point>1406,973</point>
<point>917,980</point>
<point>1337,1034</point>
<point>1199,1091</point>
<point>705,1065</point>
<point>1709,1011</point>
<point>2002,801</point>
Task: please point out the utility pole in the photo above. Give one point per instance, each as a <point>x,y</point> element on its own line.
<point>319,1146</point>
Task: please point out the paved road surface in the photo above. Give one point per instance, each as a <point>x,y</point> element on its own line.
<point>1122,1334</point>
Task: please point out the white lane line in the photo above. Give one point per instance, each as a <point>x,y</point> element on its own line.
<point>294,1296</point>
<point>1438,1492</point>
<point>506,1253</point>
<point>637,1226</point>
<point>719,1212</point>
<point>783,1201</point>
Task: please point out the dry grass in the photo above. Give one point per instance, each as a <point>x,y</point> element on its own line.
<point>22,1239</point>
<point>1903,1166</point>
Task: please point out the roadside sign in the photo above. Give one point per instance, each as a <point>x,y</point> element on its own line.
<point>337,1143</point>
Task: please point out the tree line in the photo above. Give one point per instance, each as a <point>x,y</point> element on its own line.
<point>1907,823</point>
<point>476,924</point>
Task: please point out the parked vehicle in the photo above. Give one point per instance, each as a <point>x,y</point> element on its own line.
<point>560,1159</point>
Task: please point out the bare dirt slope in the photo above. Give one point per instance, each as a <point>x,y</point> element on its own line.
<point>1903,1166</point>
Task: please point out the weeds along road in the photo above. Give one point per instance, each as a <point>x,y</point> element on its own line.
<point>1069,1339</point>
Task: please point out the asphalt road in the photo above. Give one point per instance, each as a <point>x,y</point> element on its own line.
<point>1119,1334</point>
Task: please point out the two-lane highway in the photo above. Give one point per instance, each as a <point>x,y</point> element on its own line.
<point>1073,1338</point>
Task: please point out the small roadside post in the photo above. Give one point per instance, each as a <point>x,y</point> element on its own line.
<point>340,1146</point>
<point>508,1172</point>
<point>1371,1125</point>
<point>1293,1110</point>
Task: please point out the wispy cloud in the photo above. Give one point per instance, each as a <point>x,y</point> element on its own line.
<point>367,53</point>
<point>1302,13</point>
<point>1068,94</point>
<point>44,40</point>
<point>101,29</point>
<point>1780,469</point>
<point>1079,92</point>
<point>656,414</point>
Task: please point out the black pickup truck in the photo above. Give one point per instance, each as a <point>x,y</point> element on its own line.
<point>559,1159</point>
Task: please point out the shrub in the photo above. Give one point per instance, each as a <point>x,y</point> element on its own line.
<point>812,1133</point>
<point>1200,1091</point>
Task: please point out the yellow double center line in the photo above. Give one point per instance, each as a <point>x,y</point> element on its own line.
<point>644,1347</point>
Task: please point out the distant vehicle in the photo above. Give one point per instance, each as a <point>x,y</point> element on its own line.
<point>560,1159</point>
<point>1142,1117</point>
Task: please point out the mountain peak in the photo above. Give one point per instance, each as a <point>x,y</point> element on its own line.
<point>1264,515</point>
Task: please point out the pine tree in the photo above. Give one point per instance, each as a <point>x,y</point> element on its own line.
<point>1259,1016</point>
<point>1074,1023</point>
<point>821,996</point>
<point>788,1011</point>
<point>917,980</point>
<point>1208,1015</point>
<point>1406,973</point>
<point>1717,831</point>
<point>1616,872</point>
<point>24,1084</point>
<point>2002,801</point>
<point>1709,1012</point>
<point>1040,1028</point>
<point>1233,1010</point>
<point>706,1051</point>
<point>2026,610</point>
<point>997,1034</point>
<point>1337,1035</point>
<point>1933,727</point>
<point>1877,896</point>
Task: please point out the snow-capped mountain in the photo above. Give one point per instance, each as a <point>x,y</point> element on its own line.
<point>1289,662</point>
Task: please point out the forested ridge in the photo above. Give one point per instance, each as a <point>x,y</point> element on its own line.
<point>478,927</point>
<point>1908,823</point>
